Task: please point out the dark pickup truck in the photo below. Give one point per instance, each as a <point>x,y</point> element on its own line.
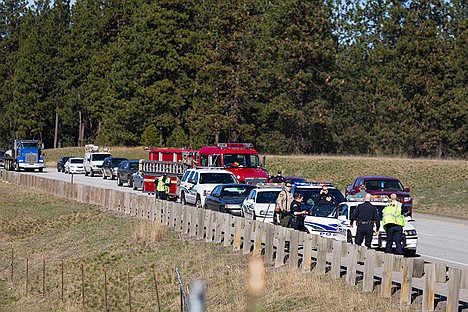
<point>382,185</point>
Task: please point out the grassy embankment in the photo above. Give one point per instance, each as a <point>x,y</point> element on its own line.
<point>41,227</point>
<point>438,187</point>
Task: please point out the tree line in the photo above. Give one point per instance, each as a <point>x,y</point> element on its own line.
<point>383,77</point>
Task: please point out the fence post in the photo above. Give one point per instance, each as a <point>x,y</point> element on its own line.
<point>259,229</point>
<point>453,289</point>
<point>307,253</point>
<point>247,236</point>
<point>387,275</point>
<point>270,232</point>
<point>429,287</point>
<point>352,263</point>
<point>219,222</point>
<point>193,221</point>
<point>280,247</point>
<point>294,249</point>
<point>336,259</point>
<point>201,223</point>
<point>368,278</point>
<point>406,281</point>
<point>209,226</point>
<point>237,241</point>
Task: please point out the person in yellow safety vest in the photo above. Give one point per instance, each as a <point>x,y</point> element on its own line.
<point>162,186</point>
<point>393,221</point>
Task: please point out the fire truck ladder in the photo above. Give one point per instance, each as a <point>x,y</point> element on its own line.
<point>154,166</point>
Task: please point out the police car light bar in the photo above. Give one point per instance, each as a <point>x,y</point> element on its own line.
<point>314,184</point>
<point>242,145</point>
<point>374,198</point>
<point>269,185</point>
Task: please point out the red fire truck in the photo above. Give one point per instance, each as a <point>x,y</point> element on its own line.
<point>239,158</point>
<point>174,162</point>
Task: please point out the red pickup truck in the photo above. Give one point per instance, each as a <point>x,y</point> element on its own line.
<point>382,185</point>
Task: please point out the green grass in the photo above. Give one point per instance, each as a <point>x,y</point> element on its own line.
<point>38,227</point>
<point>438,187</point>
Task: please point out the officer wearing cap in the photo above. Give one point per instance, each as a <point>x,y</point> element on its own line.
<point>278,178</point>
<point>365,215</point>
<point>283,205</point>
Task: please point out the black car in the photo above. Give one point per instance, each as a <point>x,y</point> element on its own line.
<point>125,172</point>
<point>61,163</point>
<point>228,197</point>
<point>109,167</point>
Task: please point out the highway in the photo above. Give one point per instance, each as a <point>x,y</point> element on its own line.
<point>439,238</point>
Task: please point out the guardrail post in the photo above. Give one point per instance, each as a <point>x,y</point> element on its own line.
<point>453,289</point>
<point>247,236</point>
<point>336,259</point>
<point>368,277</point>
<point>351,265</point>
<point>259,230</point>
<point>279,261</point>
<point>429,287</point>
<point>294,249</point>
<point>218,224</point>
<point>238,226</point>
<point>387,275</point>
<point>406,281</point>
<point>270,232</point>
<point>209,226</point>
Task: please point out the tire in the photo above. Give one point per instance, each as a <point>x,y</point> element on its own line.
<point>198,202</point>
<point>40,169</point>
<point>119,182</point>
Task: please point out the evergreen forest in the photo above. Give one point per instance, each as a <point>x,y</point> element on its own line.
<point>383,77</point>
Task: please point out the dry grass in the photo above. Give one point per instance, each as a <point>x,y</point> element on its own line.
<point>39,227</point>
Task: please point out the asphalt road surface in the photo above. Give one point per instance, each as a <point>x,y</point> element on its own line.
<point>438,238</point>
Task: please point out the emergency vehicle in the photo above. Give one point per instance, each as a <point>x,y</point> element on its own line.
<point>261,201</point>
<point>239,158</point>
<point>333,221</point>
<point>173,162</point>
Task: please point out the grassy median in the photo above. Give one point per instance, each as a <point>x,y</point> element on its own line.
<point>43,230</point>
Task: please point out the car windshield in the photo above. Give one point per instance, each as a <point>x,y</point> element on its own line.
<point>324,210</point>
<point>268,197</point>
<point>117,161</point>
<point>30,145</point>
<point>241,160</point>
<point>383,185</point>
<point>99,157</point>
<point>312,194</point>
<point>217,178</point>
<point>237,191</point>
<point>133,166</point>
<point>76,161</point>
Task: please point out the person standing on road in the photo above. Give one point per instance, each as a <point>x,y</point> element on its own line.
<point>297,214</point>
<point>278,178</point>
<point>393,221</point>
<point>283,205</point>
<point>365,216</point>
<point>162,186</point>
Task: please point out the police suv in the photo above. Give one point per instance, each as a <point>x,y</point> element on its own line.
<point>333,221</point>
<point>261,201</point>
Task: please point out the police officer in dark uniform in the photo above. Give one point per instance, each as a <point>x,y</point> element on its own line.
<point>365,216</point>
<point>278,178</point>
<point>297,214</point>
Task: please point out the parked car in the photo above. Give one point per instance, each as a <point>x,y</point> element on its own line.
<point>138,181</point>
<point>93,162</point>
<point>61,163</point>
<point>198,183</point>
<point>228,197</point>
<point>125,172</point>
<point>110,166</point>
<point>74,165</point>
<point>382,185</point>
<point>260,203</point>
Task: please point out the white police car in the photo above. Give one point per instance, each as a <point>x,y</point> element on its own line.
<point>333,221</point>
<point>261,202</point>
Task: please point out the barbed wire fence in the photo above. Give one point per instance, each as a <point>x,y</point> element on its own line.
<point>79,284</point>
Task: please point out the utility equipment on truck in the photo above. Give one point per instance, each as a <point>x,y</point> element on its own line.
<point>26,155</point>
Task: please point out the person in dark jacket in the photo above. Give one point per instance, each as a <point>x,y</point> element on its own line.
<point>297,214</point>
<point>325,197</point>
<point>365,215</point>
<point>278,178</point>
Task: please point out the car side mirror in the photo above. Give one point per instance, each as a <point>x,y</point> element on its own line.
<point>407,189</point>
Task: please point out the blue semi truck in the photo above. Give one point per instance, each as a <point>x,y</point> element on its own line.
<point>25,155</point>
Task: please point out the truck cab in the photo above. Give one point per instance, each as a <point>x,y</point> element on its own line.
<point>94,159</point>
<point>26,155</point>
<point>239,158</point>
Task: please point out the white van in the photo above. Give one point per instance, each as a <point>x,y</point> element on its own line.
<point>92,162</point>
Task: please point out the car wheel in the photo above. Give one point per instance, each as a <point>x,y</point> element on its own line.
<point>119,182</point>
<point>182,199</point>
<point>198,202</point>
